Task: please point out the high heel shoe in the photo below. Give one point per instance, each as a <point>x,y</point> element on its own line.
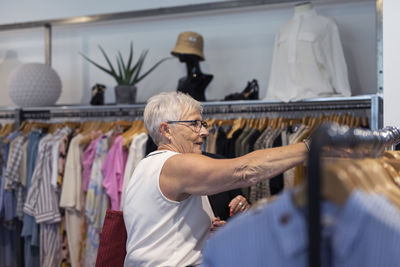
<point>249,93</point>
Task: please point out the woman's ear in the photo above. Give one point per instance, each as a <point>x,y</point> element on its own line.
<point>165,130</point>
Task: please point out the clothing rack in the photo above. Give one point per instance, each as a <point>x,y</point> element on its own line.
<point>9,113</point>
<point>370,105</point>
<point>77,111</point>
<point>335,135</point>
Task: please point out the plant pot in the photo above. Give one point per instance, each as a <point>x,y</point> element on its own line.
<point>125,94</point>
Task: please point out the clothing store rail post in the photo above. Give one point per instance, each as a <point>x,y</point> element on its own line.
<point>335,135</point>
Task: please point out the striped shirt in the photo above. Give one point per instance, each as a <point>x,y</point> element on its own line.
<point>364,232</point>
<point>12,173</point>
<point>41,201</point>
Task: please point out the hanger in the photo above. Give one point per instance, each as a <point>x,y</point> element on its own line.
<point>224,122</point>
<point>383,182</point>
<point>136,128</point>
<point>237,124</point>
<point>29,126</point>
<point>365,122</point>
<point>262,124</point>
<point>336,187</point>
<point>391,154</point>
<point>72,124</point>
<point>395,171</point>
<point>90,130</point>
<point>22,125</point>
<point>6,129</point>
<point>122,125</point>
<point>54,126</point>
<point>392,171</point>
<point>211,121</point>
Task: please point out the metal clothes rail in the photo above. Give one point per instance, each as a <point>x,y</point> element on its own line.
<point>335,135</point>
<point>371,105</point>
<point>9,113</point>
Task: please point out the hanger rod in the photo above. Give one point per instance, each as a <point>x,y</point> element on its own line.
<point>335,135</point>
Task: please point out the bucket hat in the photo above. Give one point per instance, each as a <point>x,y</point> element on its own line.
<point>189,43</point>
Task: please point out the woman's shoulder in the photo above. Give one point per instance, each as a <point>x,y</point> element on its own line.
<point>159,153</point>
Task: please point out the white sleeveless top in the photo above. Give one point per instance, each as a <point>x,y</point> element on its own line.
<point>162,232</point>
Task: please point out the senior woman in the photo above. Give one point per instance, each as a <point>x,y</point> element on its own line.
<point>166,214</point>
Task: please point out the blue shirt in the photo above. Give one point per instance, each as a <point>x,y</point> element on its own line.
<point>9,202</point>
<point>364,232</point>
<point>30,229</point>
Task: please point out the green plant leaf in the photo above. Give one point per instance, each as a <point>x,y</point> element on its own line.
<point>108,61</point>
<point>152,68</point>
<point>120,69</point>
<point>98,65</point>
<point>129,72</point>
<point>128,65</point>
<point>133,71</point>
<point>124,70</point>
<point>138,66</point>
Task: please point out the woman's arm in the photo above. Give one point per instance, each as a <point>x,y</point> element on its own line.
<point>193,174</point>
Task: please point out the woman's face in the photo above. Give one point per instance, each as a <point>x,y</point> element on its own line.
<point>187,138</point>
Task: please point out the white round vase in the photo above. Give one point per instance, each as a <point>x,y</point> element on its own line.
<point>34,85</point>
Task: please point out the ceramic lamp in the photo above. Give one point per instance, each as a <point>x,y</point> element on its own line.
<point>34,85</point>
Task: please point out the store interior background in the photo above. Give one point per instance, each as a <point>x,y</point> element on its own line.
<point>238,45</point>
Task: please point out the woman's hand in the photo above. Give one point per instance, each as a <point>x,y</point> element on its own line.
<point>216,223</point>
<point>238,204</point>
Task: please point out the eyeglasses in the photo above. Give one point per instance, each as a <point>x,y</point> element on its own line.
<point>197,124</point>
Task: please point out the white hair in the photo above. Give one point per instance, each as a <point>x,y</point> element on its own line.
<point>167,107</point>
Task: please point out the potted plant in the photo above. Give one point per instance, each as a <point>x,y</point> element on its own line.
<point>127,74</point>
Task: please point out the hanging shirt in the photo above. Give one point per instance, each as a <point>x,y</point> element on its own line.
<point>71,192</point>
<point>42,198</point>
<point>308,60</point>
<point>87,162</point>
<point>72,198</point>
<point>96,202</point>
<point>30,229</point>
<point>12,177</point>
<point>55,154</point>
<point>364,232</point>
<point>137,151</point>
<point>113,171</point>
<point>42,201</point>
<point>9,202</point>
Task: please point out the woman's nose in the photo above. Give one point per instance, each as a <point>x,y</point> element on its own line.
<point>204,132</point>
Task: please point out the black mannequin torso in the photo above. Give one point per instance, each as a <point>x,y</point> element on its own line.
<point>196,82</point>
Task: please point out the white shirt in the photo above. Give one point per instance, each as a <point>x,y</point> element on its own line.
<point>137,151</point>
<point>162,232</point>
<point>308,60</point>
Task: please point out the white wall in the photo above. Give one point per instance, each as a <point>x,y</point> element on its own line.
<point>391,62</point>
<point>28,10</point>
<point>238,46</point>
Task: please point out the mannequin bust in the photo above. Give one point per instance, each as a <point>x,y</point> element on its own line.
<point>195,82</point>
<point>189,50</point>
<point>302,7</point>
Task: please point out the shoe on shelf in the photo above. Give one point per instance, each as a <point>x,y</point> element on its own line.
<point>249,93</point>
